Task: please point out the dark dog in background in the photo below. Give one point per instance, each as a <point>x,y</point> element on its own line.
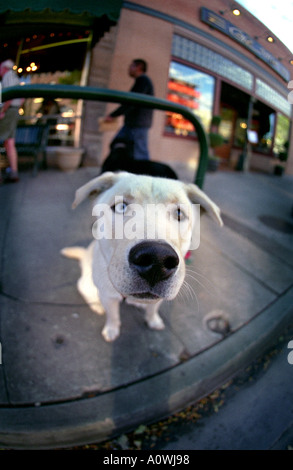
<point>121,159</point>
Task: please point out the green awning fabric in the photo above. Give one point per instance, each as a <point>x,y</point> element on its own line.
<point>27,24</point>
<point>92,8</point>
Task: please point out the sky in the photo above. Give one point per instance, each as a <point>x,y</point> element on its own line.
<point>276,15</point>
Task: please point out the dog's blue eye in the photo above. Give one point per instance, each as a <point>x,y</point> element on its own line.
<point>179,214</point>
<point>120,207</point>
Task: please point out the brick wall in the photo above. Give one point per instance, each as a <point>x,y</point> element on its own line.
<point>100,70</point>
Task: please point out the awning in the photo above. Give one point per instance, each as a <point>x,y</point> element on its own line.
<point>32,25</point>
<point>91,8</point>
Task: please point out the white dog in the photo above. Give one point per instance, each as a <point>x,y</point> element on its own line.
<point>142,235</point>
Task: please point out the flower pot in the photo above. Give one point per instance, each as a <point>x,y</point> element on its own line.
<point>213,164</point>
<point>68,158</point>
<point>279,170</point>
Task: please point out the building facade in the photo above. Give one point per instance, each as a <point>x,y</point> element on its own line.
<point>213,59</point>
<point>217,64</point>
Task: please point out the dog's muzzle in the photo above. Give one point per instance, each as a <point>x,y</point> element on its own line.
<point>154,261</point>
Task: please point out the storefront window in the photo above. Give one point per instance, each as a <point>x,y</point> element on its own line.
<point>204,57</point>
<point>263,123</point>
<point>193,89</point>
<point>266,138</point>
<point>55,55</point>
<point>240,132</point>
<point>282,134</point>
<point>61,114</point>
<point>261,129</point>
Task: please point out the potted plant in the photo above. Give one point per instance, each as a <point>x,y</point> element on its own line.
<point>68,158</point>
<point>282,157</point>
<point>213,162</point>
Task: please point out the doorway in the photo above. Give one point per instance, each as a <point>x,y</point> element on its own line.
<point>234,105</point>
<point>226,130</point>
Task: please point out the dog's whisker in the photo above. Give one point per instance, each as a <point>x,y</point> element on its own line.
<point>184,291</point>
<point>200,284</point>
<point>192,294</point>
<point>187,291</point>
<point>193,275</point>
<point>193,271</point>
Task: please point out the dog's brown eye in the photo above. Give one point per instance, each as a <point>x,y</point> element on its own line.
<point>119,208</point>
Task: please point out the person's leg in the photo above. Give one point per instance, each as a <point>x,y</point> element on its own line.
<point>12,154</point>
<point>125,136</point>
<point>7,132</point>
<point>140,141</point>
<point>121,134</point>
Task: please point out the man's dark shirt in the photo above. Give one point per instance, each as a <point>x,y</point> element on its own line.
<point>136,116</point>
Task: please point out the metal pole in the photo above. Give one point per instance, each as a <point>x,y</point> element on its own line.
<point>101,94</point>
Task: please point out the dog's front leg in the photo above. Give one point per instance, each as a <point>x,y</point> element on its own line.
<point>152,316</point>
<point>111,329</point>
<point>89,292</point>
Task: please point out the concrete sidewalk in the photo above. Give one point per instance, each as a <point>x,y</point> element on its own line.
<point>60,383</point>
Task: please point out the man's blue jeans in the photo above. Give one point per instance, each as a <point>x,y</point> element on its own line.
<point>138,136</point>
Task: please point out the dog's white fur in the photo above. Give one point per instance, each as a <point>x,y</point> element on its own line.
<point>106,274</point>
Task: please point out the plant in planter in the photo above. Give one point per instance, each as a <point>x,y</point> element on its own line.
<point>215,140</point>
<point>213,162</point>
<point>282,157</point>
<point>68,158</point>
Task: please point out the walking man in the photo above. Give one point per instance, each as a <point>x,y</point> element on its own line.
<point>137,120</point>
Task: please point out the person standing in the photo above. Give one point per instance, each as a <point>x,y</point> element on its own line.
<point>9,119</point>
<point>137,120</point>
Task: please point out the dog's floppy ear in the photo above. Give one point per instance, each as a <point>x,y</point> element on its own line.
<point>197,196</point>
<point>95,186</point>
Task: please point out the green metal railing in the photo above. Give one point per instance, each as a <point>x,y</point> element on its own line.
<point>114,96</point>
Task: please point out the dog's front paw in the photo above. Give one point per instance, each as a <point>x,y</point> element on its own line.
<point>110,333</point>
<point>155,322</point>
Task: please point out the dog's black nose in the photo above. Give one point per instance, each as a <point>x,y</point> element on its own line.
<point>153,260</point>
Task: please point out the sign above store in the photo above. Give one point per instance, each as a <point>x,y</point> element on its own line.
<point>223,25</point>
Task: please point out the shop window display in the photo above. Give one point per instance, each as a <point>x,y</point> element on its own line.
<point>191,88</point>
<point>61,114</point>
<point>52,56</point>
<point>263,128</point>
<point>282,135</point>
